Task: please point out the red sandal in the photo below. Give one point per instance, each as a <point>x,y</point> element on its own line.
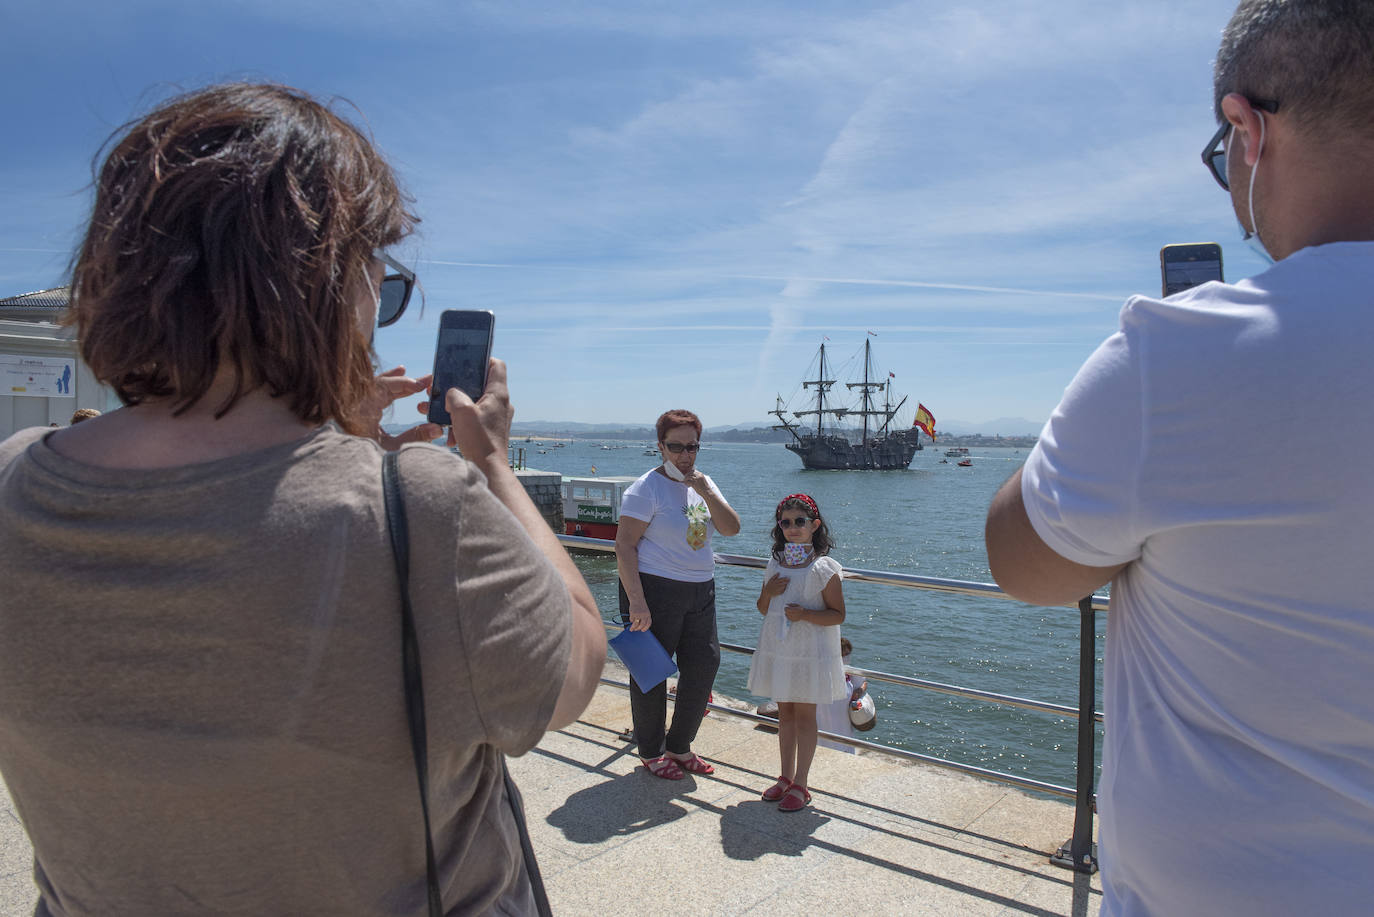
<point>692,763</point>
<point>776,791</point>
<point>663,766</point>
<point>795,799</point>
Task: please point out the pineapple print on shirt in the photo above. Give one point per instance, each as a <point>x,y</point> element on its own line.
<point>697,515</point>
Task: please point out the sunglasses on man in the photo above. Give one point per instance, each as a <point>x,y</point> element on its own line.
<point>396,289</point>
<point>1214,154</point>
<point>676,448</point>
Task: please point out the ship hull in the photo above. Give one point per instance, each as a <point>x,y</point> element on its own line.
<point>836,453</point>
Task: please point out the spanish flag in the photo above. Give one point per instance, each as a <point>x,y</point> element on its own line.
<point>925,420</point>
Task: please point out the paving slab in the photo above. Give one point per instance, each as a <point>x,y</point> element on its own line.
<point>882,836</point>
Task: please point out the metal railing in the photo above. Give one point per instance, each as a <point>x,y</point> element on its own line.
<point>1078,853</point>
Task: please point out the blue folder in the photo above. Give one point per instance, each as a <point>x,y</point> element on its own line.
<point>644,656</point>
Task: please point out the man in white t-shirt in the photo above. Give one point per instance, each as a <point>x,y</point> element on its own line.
<point>1238,774</point>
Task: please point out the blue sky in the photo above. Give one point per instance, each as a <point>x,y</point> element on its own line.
<point>670,204</point>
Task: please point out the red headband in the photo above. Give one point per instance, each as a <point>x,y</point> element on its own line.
<point>802,498</point>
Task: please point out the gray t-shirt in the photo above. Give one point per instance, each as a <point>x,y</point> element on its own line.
<point>201,700</point>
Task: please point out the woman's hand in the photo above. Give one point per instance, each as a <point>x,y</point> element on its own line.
<point>697,481</point>
<point>481,430</point>
<point>390,386</point>
<point>640,619</point>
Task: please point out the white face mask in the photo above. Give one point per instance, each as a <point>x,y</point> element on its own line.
<point>671,471</point>
<point>1251,236</point>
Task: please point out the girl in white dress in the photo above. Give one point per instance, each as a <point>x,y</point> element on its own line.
<point>797,662</point>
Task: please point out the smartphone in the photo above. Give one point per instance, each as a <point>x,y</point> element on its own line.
<point>461,355</point>
<point>1187,265</point>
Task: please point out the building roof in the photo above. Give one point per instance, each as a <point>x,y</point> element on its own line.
<point>39,306</point>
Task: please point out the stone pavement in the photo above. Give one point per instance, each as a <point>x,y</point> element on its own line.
<point>881,836</point>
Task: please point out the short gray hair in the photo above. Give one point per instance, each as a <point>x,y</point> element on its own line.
<point>1314,57</point>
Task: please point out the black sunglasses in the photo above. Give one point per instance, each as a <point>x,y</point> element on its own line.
<point>396,289</point>
<point>1214,154</point>
<point>794,523</point>
<point>675,448</point>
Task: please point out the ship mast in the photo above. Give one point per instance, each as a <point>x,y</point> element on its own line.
<point>868,387</point>
<point>822,385</point>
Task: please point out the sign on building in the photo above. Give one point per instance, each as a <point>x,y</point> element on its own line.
<point>36,376</point>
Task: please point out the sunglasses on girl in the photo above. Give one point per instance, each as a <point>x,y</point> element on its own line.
<point>676,448</point>
<point>396,288</point>
<point>794,523</point>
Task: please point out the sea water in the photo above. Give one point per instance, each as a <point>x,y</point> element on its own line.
<point>926,520</point>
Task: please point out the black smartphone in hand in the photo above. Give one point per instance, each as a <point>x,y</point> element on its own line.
<point>461,356</point>
<point>1187,265</point>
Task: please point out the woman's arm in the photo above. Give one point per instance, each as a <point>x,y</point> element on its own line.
<point>723,515</point>
<point>482,432</point>
<point>627,538</point>
<point>830,615</point>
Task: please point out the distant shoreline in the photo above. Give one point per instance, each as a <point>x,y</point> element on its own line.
<point>761,436</point>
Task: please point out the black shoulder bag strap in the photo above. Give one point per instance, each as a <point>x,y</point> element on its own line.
<point>415,700</point>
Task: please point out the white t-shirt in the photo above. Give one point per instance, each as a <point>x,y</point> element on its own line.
<point>1221,442</point>
<point>677,543</point>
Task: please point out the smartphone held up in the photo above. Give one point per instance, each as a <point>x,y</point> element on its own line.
<point>461,356</point>
<point>1189,264</point>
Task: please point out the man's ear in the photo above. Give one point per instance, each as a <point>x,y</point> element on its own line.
<point>1245,119</point>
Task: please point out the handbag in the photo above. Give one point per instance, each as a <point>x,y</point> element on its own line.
<point>647,660</point>
<point>415,701</point>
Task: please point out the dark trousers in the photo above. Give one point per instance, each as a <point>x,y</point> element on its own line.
<point>684,621</point>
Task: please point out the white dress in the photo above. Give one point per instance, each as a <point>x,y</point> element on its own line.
<point>834,717</point>
<point>796,661</point>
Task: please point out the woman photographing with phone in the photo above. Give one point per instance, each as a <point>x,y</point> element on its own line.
<point>202,704</point>
<point>667,586</point>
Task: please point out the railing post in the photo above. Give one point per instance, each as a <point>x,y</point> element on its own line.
<point>1080,853</point>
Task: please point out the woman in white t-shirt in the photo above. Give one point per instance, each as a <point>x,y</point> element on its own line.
<point>667,587</point>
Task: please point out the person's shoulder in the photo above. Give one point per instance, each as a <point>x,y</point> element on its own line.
<point>648,481</point>
<point>428,467</point>
<point>15,445</point>
<point>827,565</point>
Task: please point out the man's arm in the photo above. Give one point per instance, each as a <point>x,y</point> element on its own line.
<point>1023,565</point>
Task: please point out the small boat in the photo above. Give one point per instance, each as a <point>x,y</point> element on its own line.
<point>956,452</point>
<point>966,463</point>
<point>651,452</point>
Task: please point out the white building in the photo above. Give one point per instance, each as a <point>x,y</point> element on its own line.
<point>42,377</point>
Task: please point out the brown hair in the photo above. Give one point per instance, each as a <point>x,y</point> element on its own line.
<point>236,223</point>
<point>677,418</point>
<point>81,414</point>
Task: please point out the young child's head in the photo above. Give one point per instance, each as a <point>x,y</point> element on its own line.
<point>845,646</point>
<point>803,525</point>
